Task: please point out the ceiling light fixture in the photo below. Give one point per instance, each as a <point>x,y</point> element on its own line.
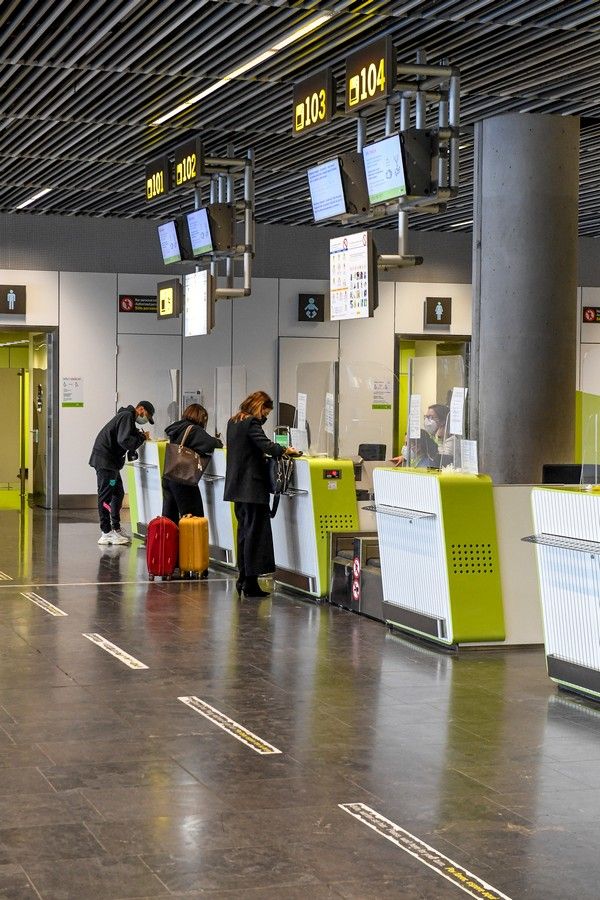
<point>35,197</point>
<point>250,64</point>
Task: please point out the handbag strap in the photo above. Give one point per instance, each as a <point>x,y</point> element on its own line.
<point>186,435</point>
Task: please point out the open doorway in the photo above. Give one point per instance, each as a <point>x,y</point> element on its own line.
<point>27,446</point>
<point>450,361</point>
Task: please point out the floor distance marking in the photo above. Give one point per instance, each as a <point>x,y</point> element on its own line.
<point>5,577</point>
<point>111,648</point>
<point>429,856</point>
<point>44,604</point>
<point>233,728</point>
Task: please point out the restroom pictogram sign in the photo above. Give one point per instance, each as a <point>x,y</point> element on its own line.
<point>13,299</point>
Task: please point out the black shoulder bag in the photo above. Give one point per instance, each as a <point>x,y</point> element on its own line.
<point>279,476</point>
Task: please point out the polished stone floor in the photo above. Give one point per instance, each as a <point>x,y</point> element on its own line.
<point>111,787</point>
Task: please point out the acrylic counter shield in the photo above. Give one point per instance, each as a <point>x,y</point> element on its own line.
<point>322,500</point>
<point>567,539</point>
<point>439,555</point>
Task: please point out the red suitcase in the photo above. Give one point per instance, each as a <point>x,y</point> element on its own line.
<point>162,547</point>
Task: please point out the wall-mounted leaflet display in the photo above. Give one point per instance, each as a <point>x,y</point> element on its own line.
<point>199,303</point>
<point>199,232</point>
<point>169,243</point>
<point>353,274</point>
<point>169,296</point>
<point>384,170</point>
<point>326,190</point>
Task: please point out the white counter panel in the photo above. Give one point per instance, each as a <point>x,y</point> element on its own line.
<point>294,535</point>
<point>412,551</point>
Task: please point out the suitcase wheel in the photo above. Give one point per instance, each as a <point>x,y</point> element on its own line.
<point>167,577</point>
<point>151,577</point>
<point>204,574</point>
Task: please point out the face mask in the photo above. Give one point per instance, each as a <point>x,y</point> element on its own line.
<point>430,425</point>
<point>141,420</point>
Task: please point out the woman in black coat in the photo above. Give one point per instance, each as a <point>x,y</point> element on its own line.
<point>247,485</point>
<point>185,499</point>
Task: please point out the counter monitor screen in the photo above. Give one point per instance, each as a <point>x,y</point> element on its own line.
<point>169,243</point>
<point>384,169</point>
<point>199,231</point>
<point>327,191</point>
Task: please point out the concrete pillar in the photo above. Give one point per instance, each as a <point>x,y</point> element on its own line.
<point>526,185</point>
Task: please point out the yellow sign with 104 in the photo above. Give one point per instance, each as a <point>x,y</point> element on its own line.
<point>370,74</point>
<point>314,102</point>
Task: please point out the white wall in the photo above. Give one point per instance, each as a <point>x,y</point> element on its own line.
<point>87,344</point>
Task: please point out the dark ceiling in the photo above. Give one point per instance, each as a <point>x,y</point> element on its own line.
<point>81,80</point>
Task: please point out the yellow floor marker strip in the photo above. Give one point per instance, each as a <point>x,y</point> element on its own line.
<point>429,856</point>
<point>115,651</point>
<point>230,726</point>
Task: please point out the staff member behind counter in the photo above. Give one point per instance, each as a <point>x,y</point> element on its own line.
<point>247,485</point>
<point>185,499</point>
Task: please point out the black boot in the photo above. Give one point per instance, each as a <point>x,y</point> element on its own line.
<point>252,588</point>
<point>239,585</point>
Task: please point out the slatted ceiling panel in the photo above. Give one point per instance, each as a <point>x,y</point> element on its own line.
<point>81,80</point>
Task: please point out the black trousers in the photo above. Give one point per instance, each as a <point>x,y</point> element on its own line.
<point>181,500</point>
<point>254,539</point>
<point>110,498</point>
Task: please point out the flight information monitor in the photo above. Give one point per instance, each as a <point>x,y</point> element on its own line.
<point>326,190</point>
<point>384,170</point>
<point>199,231</point>
<point>353,276</point>
<point>199,303</point>
<point>169,243</point>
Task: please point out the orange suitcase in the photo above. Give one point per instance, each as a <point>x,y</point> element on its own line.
<point>193,546</point>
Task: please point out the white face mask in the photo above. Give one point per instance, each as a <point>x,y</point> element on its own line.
<point>141,420</point>
<point>430,425</point>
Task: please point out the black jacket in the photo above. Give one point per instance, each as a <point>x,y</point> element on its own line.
<point>118,437</point>
<point>246,477</point>
<point>198,439</point>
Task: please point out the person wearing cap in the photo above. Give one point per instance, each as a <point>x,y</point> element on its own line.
<point>118,438</point>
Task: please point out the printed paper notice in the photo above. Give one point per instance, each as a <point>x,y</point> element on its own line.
<point>301,412</point>
<point>382,395</point>
<point>72,391</point>
<point>414,417</point>
<point>468,457</point>
<point>329,413</point>
<point>349,275</point>
<point>457,410</point>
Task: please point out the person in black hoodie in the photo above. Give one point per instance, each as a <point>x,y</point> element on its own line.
<point>185,499</point>
<point>118,438</point>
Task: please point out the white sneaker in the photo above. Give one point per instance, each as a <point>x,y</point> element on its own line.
<point>113,537</point>
<point>122,533</point>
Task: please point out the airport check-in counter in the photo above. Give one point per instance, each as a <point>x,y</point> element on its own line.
<point>143,484</point>
<point>567,538</point>
<point>222,527</point>
<point>321,500</point>
<point>144,476</point>
<point>439,555</point>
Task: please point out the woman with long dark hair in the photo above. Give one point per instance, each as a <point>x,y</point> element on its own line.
<point>185,499</point>
<point>247,485</point>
